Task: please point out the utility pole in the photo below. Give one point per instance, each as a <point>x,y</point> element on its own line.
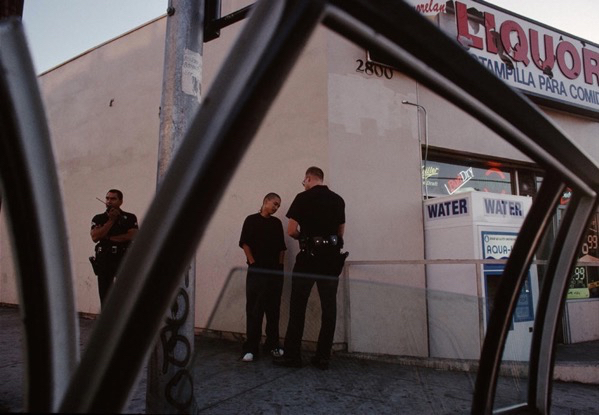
<point>11,8</point>
<point>169,383</point>
<point>8,9</point>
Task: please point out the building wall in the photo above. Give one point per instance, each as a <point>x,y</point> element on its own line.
<point>102,109</point>
<point>8,287</point>
<point>375,161</point>
<point>293,136</point>
<point>582,315</point>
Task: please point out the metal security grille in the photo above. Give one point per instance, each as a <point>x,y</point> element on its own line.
<point>257,65</point>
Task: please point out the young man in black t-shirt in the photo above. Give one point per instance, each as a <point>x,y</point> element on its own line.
<point>263,243</point>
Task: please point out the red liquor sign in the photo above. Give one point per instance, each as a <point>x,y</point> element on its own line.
<point>541,61</point>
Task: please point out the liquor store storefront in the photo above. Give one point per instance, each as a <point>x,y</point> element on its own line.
<point>558,71</point>
<point>446,174</point>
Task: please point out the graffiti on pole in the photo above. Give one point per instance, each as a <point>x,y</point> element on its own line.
<point>177,350</point>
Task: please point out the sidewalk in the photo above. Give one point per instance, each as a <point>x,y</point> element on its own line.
<point>225,385</point>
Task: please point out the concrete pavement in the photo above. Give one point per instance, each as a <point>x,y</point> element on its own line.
<point>354,384</point>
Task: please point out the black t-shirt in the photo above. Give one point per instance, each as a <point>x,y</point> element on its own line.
<point>265,238</point>
<point>125,222</point>
<point>319,211</point>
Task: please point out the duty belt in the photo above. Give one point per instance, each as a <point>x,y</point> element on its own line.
<point>112,249</point>
<point>314,242</point>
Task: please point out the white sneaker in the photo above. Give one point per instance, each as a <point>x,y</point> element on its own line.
<point>277,352</point>
<point>248,357</point>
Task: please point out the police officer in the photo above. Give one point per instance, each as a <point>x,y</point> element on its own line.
<point>317,220</point>
<point>112,231</point>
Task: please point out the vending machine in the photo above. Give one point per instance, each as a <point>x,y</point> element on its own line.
<point>458,229</point>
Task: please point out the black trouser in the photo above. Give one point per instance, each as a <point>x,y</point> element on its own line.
<point>105,281</point>
<point>263,289</point>
<point>107,266</point>
<point>310,270</point>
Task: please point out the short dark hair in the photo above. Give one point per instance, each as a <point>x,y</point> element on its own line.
<point>271,196</point>
<point>316,172</point>
<point>118,193</point>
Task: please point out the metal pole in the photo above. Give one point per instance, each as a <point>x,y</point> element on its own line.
<point>422,164</point>
<point>11,8</point>
<point>8,9</point>
<point>169,383</point>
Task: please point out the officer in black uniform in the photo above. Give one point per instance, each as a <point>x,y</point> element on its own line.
<point>112,231</point>
<point>317,220</point>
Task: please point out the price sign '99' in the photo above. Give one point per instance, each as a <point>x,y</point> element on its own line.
<point>585,278</point>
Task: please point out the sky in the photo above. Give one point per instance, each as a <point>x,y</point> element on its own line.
<point>577,17</point>
<point>58,30</point>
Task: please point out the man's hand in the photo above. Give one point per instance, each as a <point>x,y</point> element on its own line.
<point>99,232</point>
<point>114,213</point>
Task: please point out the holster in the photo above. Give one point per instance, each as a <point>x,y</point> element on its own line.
<point>339,262</point>
<point>108,257</point>
<point>95,265</point>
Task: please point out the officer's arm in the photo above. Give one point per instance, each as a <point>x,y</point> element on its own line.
<point>281,257</point>
<point>293,228</point>
<point>99,232</point>
<point>126,237</point>
<point>341,230</point>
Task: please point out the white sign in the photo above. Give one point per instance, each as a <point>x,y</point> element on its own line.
<point>534,58</point>
<point>498,245</point>
<point>447,209</point>
<point>191,74</point>
<point>430,7</point>
<point>503,208</point>
<point>456,184</point>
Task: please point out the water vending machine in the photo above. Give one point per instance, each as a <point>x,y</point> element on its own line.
<point>459,228</point>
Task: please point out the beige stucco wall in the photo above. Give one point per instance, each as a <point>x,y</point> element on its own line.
<point>8,288</point>
<point>293,136</point>
<point>582,315</point>
<point>103,112</point>
<point>375,161</point>
<point>103,108</point>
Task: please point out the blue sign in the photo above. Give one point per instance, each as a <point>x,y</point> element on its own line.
<point>498,245</point>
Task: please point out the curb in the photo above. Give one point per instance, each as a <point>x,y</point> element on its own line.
<point>587,373</point>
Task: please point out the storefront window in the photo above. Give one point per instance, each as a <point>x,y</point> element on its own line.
<point>444,175</point>
<point>585,280</point>
<point>440,177</point>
